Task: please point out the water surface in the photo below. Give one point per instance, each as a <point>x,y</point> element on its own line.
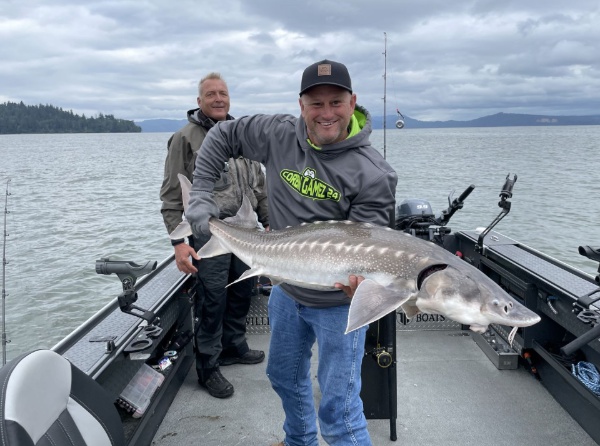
<point>78,197</point>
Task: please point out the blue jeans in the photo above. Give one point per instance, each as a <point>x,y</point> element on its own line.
<point>294,329</point>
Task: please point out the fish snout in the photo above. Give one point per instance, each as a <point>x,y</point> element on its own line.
<point>510,312</point>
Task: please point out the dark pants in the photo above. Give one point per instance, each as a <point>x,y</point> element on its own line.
<point>220,312</point>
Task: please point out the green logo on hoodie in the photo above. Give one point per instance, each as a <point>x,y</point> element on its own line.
<point>308,185</point>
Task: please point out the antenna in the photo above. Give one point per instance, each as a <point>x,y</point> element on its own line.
<point>384,89</point>
<point>4,263</point>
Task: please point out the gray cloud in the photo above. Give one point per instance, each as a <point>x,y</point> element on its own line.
<point>143,59</point>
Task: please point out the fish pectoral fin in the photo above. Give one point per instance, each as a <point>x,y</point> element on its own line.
<point>372,301</point>
<point>252,272</point>
<point>410,309</point>
<point>478,328</point>
<point>182,230</point>
<point>212,248</point>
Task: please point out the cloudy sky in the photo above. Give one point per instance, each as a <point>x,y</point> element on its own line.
<point>445,60</point>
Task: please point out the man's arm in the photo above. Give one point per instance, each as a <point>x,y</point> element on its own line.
<point>227,139</point>
<point>179,154</point>
<point>376,202</point>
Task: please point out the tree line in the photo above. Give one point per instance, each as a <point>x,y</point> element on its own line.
<point>21,118</point>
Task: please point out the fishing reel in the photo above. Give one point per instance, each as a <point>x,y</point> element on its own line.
<point>128,273</point>
<point>400,120</point>
<point>383,357</point>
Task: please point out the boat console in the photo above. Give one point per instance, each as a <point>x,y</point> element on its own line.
<point>124,347</point>
<point>124,344</point>
<point>568,300</point>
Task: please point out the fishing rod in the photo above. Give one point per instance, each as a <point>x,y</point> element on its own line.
<point>400,120</point>
<point>4,263</point>
<point>384,89</point>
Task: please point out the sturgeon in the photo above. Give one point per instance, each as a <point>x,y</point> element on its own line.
<point>399,270</point>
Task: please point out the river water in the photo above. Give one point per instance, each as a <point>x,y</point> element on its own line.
<point>78,197</point>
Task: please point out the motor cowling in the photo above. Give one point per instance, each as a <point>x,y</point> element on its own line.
<point>414,213</point>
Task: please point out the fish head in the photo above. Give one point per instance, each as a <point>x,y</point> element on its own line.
<point>500,308</point>
<point>471,298</point>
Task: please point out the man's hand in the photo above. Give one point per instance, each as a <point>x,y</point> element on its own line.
<point>183,251</point>
<point>201,208</point>
<point>350,289</point>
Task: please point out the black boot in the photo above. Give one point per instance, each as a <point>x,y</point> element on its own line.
<point>216,384</point>
<point>250,357</point>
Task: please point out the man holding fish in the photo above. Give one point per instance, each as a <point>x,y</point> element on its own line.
<point>320,166</point>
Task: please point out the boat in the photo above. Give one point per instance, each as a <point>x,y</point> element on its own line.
<point>426,380</point>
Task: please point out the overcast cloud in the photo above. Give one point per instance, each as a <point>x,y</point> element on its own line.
<point>445,60</point>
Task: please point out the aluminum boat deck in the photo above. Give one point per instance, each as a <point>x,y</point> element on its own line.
<point>449,393</point>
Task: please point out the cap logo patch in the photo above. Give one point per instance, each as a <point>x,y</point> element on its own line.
<point>324,70</point>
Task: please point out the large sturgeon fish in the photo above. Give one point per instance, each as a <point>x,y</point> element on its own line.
<point>399,270</point>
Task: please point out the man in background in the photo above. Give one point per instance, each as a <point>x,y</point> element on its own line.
<point>220,313</point>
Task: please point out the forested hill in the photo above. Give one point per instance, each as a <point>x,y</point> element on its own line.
<point>21,118</point>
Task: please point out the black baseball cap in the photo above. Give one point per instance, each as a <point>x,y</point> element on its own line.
<point>325,72</point>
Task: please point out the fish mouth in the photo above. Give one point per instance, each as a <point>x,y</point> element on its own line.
<point>507,313</point>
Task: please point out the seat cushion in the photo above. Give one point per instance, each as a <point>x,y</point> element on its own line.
<point>47,400</point>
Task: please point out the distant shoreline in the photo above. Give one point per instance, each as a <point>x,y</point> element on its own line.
<point>496,120</point>
<point>110,124</point>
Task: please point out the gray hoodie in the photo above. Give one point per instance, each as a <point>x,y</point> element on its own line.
<point>348,180</point>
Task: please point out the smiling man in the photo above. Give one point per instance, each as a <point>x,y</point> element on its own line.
<point>327,108</point>
<point>220,312</point>
<point>320,166</point>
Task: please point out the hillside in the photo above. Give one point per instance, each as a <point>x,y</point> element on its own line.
<point>162,125</point>
<point>20,118</point>
<point>497,120</point>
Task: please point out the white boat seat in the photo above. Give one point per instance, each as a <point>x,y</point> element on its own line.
<point>47,401</point>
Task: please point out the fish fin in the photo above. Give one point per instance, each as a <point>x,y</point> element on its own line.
<point>212,248</point>
<point>410,309</point>
<point>182,230</point>
<point>245,217</point>
<point>186,187</point>
<point>252,272</point>
<point>372,301</point>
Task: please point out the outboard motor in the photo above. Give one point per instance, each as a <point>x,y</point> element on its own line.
<point>414,213</point>
<point>416,217</point>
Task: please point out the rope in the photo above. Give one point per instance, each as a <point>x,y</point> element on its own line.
<point>511,336</point>
<point>588,374</point>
